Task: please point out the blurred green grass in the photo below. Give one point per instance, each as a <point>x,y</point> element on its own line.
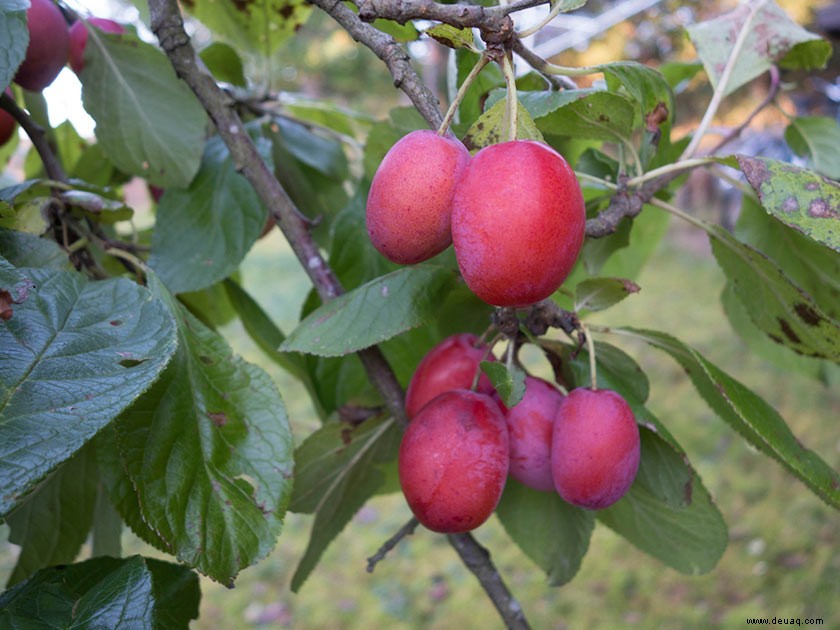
<point>784,554</point>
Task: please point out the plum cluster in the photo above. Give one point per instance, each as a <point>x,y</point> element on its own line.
<point>462,442</point>
<point>52,45</point>
<point>514,213</point>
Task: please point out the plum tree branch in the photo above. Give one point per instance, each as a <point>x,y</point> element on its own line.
<point>389,51</point>
<point>38,136</point>
<point>477,559</point>
<point>168,26</point>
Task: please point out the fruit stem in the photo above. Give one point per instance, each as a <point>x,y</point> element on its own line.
<point>555,11</point>
<point>483,60</point>
<point>511,99</point>
<point>590,348</point>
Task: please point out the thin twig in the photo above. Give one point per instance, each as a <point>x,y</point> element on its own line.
<point>772,92</point>
<point>393,541</point>
<point>477,559</point>
<point>395,58</point>
<point>539,64</point>
<point>38,136</point>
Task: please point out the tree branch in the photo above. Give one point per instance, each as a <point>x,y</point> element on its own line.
<point>38,136</point>
<point>168,26</point>
<point>477,559</point>
<point>393,541</point>
<point>395,58</point>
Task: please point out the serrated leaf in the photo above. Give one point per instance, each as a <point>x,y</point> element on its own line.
<point>202,233</point>
<point>147,120</point>
<point>207,452</point>
<point>14,34</point>
<point>453,37</point>
<point>761,344</point>
<point>772,37</point>
<point>104,592</point>
<point>747,413</point>
<point>110,339</point>
<point>552,533</point>
<point>781,309</point>
<point>806,262</point>
<point>54,521</point>
<point>647,86</point>
<point>492,127</point>
<point>224,63</point>
<point>597,294</point>
<point>339,467</point>
<point>373,312</point>
<point>322,152</point>
<point>509,382</point>
<point>599,115</point>
<point>818,138</point>
<point>797,197</point>
<point>690,539</point>
<point>257,27</point>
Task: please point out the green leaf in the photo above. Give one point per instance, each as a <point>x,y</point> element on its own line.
<point>203,233</point>
<point>772,37</point>
<point>54,521</point>
<point>224,63</point>
<point>645,85</point>
<point>594,114</point>
<point>210,305</point>
<point>322,152</point>
<point>797,197</point>
<point>207,454</point>
<point>759,343</point>
<point>110,339</point>
<point>492,127</point>
<point>818,138</point>
<point>679,73</point>
<point>400,32</point>
<point>806,262</point>
<point>25,250</point>
<point>689,538</point>
<point>339,467</point>
<point>133,592</point>
<point>15,37</point>
<point>453,37</point>
<point>262,330</point>
<point>472,106</point>
<point>554,534</point>
<point>258,27</point>
<point>147,120</point>
<point>747,413</point>
<point>509,382</point>
<point>781,309</point>
<point>598,294</point>
<point>373,312</point>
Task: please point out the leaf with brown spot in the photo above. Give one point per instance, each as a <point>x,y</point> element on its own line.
<point>770,296</point>
<point>799,198</point>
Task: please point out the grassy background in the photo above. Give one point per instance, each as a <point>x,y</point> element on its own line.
<point>784,554</point>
